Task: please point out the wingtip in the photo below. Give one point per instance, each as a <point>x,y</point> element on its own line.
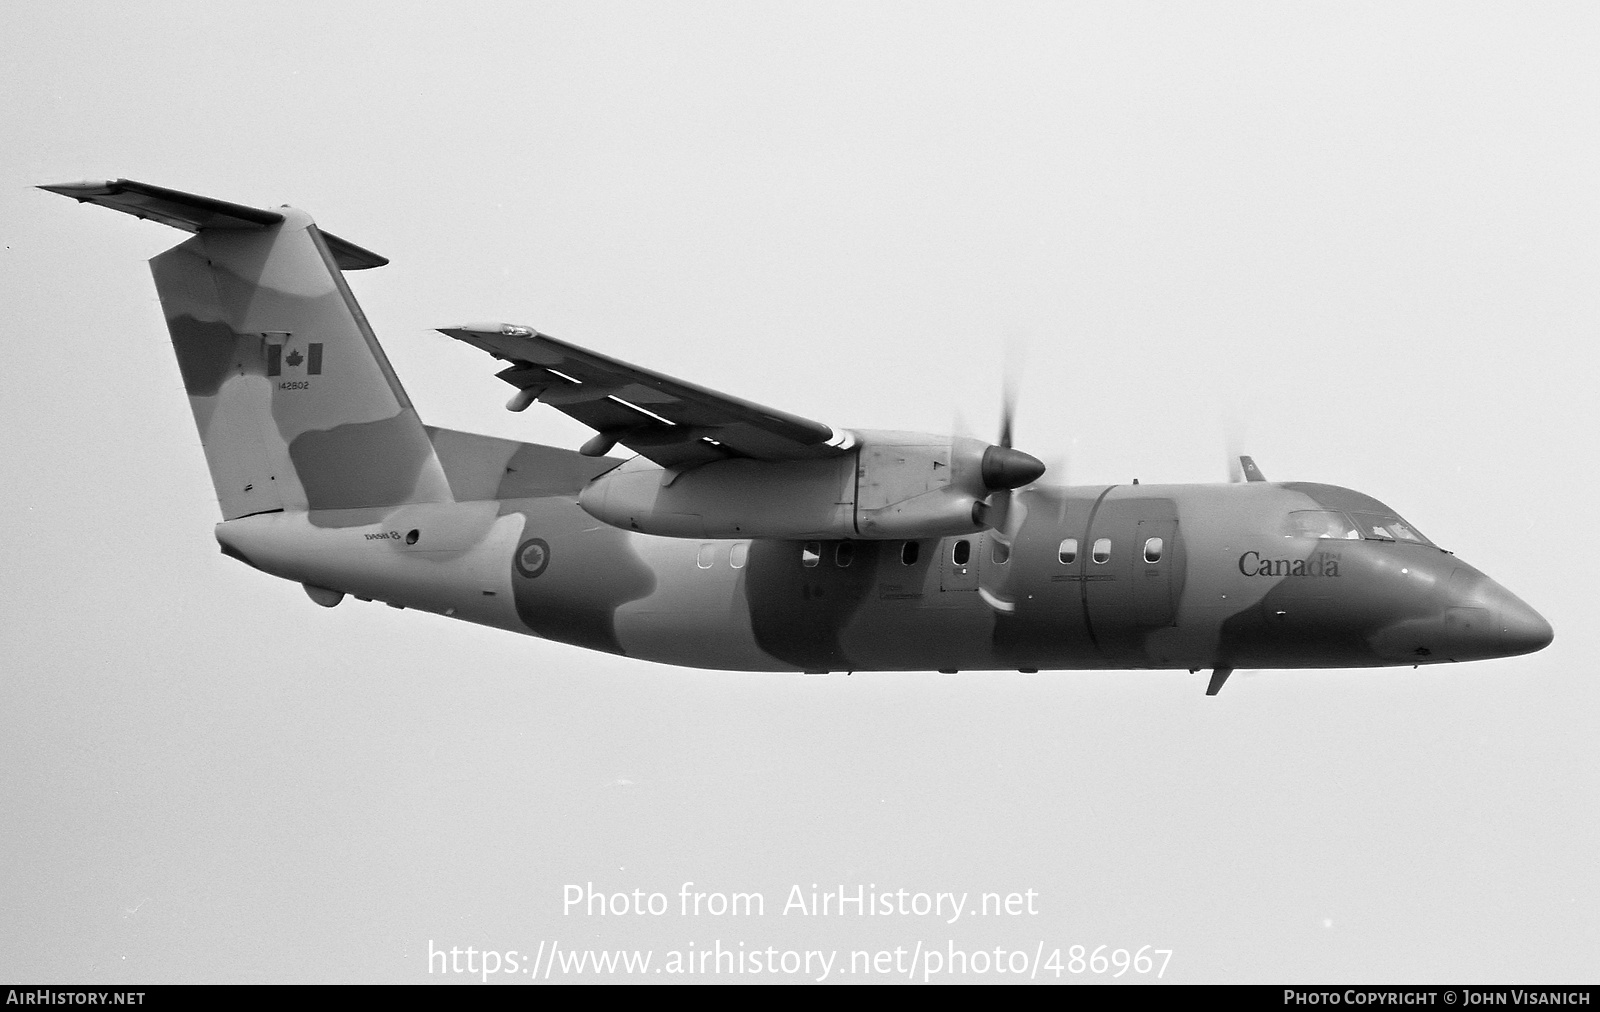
<point>82,186</point>
<point>507,329</point>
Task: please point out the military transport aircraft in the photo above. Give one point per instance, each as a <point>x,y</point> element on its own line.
<point>740,536</point>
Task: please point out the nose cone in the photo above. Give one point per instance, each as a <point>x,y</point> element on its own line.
<point>1518,628</point>
<point>1004,467</point>
<point>1474,619</point>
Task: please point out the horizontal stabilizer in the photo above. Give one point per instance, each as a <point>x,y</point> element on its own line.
<point>669,421</point>
<point>192,213</point>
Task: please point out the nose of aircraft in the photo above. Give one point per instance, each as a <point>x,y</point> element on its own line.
<point>1474,619</point>
<point>1517,628</point>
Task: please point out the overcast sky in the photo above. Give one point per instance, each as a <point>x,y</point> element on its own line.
<point>1367,234</point>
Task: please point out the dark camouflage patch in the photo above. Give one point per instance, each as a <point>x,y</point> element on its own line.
<point>1335,497</point>
<point>362,463</point>
<point>1327,622</point>
<point>205,353</point>
<point>588,573</point>
<point>797,612</point>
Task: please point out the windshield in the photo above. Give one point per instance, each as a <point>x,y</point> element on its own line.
<point>1346,514</point>
<point>1321,524</point>
<point>1351,526</point>
<point>1387,527</point>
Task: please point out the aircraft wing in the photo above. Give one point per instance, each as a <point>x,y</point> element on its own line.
<point>674,423</point>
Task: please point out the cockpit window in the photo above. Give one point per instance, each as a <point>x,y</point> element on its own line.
<point>1388,527</point>
<point>1320,524</point>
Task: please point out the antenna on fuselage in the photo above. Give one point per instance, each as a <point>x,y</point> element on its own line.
<point>1218,676</point>
<point>1241,468</point>
<point>1245,470</point>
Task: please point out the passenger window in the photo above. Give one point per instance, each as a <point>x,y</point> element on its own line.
<point>844,554</point>
<point>908,553</point>
<point>706,556</point>
<point>961,554</point>
<point>1152,550</point>
<point>1068,553</point>
<point>1001,552</point>
<point>1101,552</point>
<point>811,554</point>
<point>738,554</point>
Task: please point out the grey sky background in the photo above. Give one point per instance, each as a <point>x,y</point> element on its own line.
<point>1365,233</point>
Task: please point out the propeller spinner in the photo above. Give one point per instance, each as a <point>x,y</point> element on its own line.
<point>1004,469</point>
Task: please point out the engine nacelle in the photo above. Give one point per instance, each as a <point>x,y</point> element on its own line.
<point>890,485</point>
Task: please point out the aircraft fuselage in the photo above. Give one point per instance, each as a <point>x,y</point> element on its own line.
<point>1121,576</point>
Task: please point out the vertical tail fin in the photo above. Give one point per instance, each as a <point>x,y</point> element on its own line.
<point>296,403</point>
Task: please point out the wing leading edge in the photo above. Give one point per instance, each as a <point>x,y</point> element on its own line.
<point>672,422</point>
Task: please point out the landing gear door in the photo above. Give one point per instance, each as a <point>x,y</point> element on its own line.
<point>958,562</point>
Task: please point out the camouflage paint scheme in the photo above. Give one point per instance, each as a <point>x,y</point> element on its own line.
<point>326,476</point>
